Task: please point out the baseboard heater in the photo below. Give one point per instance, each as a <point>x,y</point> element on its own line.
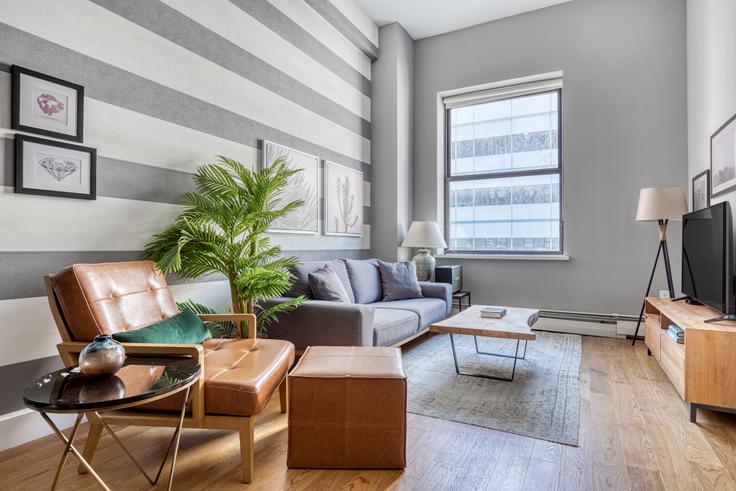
<point>608,325</point>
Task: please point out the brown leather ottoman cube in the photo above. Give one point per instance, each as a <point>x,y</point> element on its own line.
<point>347,409</point>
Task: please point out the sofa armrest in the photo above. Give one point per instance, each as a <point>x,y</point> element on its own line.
<point>322,323</point>
<point>438,290</point>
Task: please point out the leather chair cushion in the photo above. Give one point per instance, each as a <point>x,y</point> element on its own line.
<point>237,380</point>
<point>110,297</point>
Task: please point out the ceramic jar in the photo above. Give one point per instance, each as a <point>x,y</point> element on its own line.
<point>103,356</point>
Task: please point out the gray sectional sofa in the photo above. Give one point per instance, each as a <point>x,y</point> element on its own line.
<point>368,321</point>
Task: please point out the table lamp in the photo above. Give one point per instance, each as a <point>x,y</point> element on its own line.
<point>424,235</point>
<point>660,205</point>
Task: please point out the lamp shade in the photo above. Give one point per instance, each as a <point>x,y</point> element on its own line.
<point>661,204</point>
<point>424,234</point>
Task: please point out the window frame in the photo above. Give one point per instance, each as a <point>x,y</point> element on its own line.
<point>448,177</point>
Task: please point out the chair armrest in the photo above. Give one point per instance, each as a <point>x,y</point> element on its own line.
<point>318,322</point>
<point>438,290</point>
<point>249,318</point>
<point>69,351</point>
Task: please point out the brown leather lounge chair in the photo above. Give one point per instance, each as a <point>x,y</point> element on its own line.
<point>237,382</point>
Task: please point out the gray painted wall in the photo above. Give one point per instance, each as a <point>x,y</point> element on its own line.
<point>711,78</point>
<point>391,143</point>
<point>624,128</point>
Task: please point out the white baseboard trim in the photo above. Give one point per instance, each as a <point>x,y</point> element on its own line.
<point>578,327</point>
<point>25,425</point>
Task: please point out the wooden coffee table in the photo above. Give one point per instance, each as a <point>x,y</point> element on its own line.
<point>515,325</point>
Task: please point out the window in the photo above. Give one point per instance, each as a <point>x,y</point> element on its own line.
<point>503,170</point>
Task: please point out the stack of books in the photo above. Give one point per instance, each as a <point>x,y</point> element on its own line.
<point>492,312</point>
<point>676,333</point>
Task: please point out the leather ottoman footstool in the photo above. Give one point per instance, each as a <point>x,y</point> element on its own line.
<point>347,409</point>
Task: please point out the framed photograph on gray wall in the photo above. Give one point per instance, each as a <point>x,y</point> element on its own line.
<point>52,168</point>
<point>723,158</point>
<point>701,190</point>
<point>343,200</point>
<point>46,105</point>
<point>302,186</point>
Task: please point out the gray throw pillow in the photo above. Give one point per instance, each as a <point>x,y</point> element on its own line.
<point>326,285</point>
<point>399,281</point>
<point>365,279</point>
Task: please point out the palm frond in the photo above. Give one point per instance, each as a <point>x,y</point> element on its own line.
<point>222,230</point>
<point>269,315</point>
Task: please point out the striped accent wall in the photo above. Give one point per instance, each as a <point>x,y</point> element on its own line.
<point>169,84</point>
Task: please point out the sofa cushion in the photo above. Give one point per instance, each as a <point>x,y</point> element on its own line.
<point>393,325</point>
<point>326,285</point>
<point>301,277</point>
<point>365,279</point>
<point>429,310</point>
<point>399,280</point>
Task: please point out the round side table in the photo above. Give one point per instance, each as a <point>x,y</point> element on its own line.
<point>141,380</point>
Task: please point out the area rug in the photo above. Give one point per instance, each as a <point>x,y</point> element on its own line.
<point>542,402</point>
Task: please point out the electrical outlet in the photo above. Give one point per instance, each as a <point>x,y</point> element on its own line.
<point>664,294</point>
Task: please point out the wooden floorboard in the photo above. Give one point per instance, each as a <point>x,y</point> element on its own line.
<point>634,434</point>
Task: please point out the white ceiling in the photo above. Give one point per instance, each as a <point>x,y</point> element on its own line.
<point>424,18</point>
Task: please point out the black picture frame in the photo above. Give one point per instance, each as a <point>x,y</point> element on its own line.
<point>16,72</point>
<point>20,186</point>
<point>732,120</point>
<point>703,175</point>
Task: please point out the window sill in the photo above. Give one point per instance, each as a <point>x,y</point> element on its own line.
<point>511,257</point>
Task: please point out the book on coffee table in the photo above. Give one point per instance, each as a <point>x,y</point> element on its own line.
<point>492,312</point>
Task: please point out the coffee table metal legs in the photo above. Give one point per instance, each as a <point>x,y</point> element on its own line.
<point>523,357</point>
<point>69,442</point>
<point>515,357</point>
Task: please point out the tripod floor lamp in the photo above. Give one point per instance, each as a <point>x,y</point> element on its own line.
<point>660,205</point>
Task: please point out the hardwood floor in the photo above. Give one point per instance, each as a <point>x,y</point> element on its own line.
<point>634,434</point>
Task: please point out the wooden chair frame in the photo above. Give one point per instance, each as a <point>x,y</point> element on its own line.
<point>197,418</point>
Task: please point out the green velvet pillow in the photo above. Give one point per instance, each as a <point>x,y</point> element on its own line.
<point>184,328</point>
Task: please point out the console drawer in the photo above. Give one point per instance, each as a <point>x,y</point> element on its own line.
<point>673,363</point>
<point>652,336</point>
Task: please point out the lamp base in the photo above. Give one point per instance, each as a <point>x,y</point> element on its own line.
<point>425,264</point>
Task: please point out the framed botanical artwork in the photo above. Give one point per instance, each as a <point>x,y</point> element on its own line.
<point>723,158</point>
<point>47,105</point>
<point>701,190</point>
<point>302,186</point>
<point>52,168</point>
<point>343,200</point>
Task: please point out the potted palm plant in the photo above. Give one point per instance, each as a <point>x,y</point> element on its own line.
<point>223,230</point>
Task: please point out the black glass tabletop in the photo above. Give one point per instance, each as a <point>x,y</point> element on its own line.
<point>140,379</point>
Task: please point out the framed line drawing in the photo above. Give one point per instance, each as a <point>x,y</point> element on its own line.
<point>52,168</point>
<point>343,200</point>
<point>723,158</point>
<point>302,186</point>
<point>46,105</point>
<point>701,190</point>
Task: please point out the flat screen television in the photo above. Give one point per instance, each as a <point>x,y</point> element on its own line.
<point>707,258</point>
